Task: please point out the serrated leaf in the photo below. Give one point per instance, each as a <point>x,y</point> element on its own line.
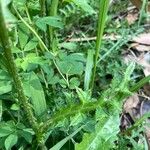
<point>74,82</point>
<point>84,96</point>
<point>31,45</point>
<point>105,134</point>
<point>51,21</point>
<point>76,119</point>
<point>10,141</point>
<point>127,77</point>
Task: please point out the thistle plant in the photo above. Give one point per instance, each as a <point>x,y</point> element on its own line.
<point>42,120</point>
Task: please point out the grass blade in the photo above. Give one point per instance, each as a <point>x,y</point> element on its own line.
<point>62,142</point>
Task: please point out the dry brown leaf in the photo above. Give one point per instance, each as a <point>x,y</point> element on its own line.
<point>139,47</point>
<point>144,60</point>
<point>130,104</point>
<point>143,38</point>
<point>146,88</point>
<point>131,18</point>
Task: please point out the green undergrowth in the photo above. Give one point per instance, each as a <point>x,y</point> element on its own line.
<point>59,91</point>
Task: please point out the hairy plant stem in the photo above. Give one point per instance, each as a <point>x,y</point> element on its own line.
<point>11,66</point>
<point>53,12</point>
<point>103,8</point>
<point>86,107</point>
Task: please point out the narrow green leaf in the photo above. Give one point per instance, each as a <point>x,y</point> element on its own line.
<point>33,89</point>
<point>62,142</point>
<point>23,35</point>
<point>10,141</point>
<point>37,95</point>
<point>88,70</point>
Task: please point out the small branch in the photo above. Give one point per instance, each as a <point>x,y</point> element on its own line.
<point>68,112</point>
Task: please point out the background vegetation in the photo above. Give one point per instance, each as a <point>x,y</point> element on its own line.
<point>63,77</point>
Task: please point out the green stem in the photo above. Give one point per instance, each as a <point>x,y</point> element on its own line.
<point>43,14</point>
<point>53,12</point>
<point>143,9</point>
<point>103,9</point>
<point>68,112</point>
<point>11,66</point>
<point>13,71</point>
<point>43,8</point>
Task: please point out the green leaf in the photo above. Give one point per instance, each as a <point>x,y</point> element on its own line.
<point>10,141</point>
<point>15,107</point>
<point>84,5</point>
<point>23,34</point>
<point>33,89</point>
<point>84,96</point>
<point>5,87</point>
<point>104,136</point>
<point>51,21</point>
<point>26,135</point>
<point>78,118</point>
<point>88,69</point>
<point>68,45</point>
<point>74,82</point>
<point>4,76</point>
<point>123,87</point>
<point>31,58</point>
<point>9,17</point>
<point>71,64</point>
<point>5,131</point>
<point>31,45</point>
<point>53,80</point>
